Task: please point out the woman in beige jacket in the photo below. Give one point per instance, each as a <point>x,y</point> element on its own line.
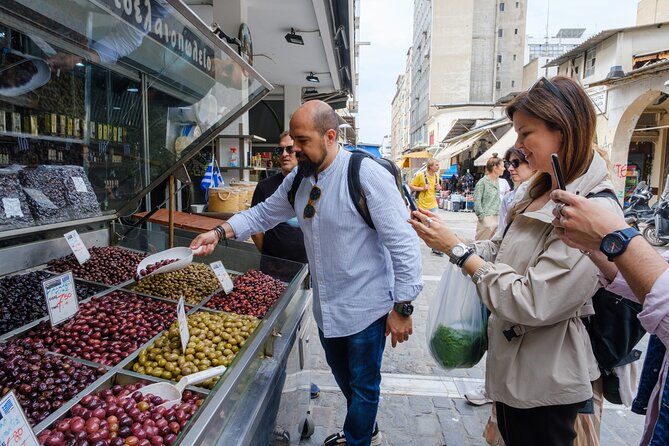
<point>540,363</point>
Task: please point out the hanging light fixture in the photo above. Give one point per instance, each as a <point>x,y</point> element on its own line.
<point>312,77</point>
<point>294,38</point>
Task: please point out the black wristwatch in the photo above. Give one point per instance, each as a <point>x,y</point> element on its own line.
<point>615,243</point>
<point>405,310</point>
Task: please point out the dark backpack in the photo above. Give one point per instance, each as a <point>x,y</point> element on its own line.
<point>354,187</point>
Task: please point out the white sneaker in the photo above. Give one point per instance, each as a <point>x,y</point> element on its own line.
<point>477,397</point>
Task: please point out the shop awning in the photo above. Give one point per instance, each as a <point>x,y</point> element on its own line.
<point>371,149</point>
<point>459,146</point>
<point>501,146</point>
<point>405,161</point>
<point>451,172</point>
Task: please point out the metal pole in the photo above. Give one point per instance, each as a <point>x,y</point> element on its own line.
<point>171,213</point>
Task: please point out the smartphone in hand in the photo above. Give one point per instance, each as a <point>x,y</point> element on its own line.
<point>558,172</point>
<point>410,200</point>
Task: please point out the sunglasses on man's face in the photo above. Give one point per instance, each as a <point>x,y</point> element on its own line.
<point>515,163</point>
<point>279,150</point>
<point>309,209</point>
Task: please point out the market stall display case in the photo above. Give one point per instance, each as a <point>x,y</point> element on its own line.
<point>101,102</point>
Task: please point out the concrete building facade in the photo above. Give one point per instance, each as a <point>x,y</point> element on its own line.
<point>467,53</point>
<point>625,71</point>
<point>652,11</point>
<point>401,112</point>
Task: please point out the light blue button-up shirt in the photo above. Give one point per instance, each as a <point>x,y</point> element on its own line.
<point>358,273</point>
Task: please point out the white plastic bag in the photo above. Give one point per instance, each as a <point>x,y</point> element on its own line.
<point>457,325</point>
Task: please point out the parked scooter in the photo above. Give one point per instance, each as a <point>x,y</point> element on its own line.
<point>638,202</point>
<point>656,231</point>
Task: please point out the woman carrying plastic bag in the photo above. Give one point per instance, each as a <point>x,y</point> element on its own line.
<point>458,322</point>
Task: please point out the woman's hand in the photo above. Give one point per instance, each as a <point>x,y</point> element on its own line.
<point>433,231</point>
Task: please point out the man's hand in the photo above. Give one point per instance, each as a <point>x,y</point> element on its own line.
<point>205,242</point>
<point>582,223</point>
<point>399,327</point>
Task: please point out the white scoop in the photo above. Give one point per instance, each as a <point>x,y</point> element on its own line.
<point>184,258</point>
<point>172,393</point>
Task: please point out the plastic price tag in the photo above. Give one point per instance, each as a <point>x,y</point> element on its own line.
<point>183,323</point>
<point>77,245</point>
<point>14,427</point>
<point>223,276</point>
<point>61,298</point>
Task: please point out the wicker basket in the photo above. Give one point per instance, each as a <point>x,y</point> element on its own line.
<point>224,199</point>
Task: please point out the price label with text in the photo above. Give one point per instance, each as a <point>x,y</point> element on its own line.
<point>183,323</point>
<point>223,276</point>
<point>12,207</point>
<point>77,245</point>
<point>79,184</point>
<point>61,298</point>
<point>14,427</point>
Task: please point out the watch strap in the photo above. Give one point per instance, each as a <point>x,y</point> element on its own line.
<point>461,261</point>
<point>625,235</point>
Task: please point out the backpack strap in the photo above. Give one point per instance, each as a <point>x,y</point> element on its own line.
<point>355,188</point>
<point>606,193</point>
<point>294,187</point>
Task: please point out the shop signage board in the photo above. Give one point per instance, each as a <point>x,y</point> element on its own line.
<point>599,98</point>
<point>183,324</point>
<point>223,276</point>
<point>61,298</point>
<point>155,19</point>
<point>77,245</point>
<point>14,427</point>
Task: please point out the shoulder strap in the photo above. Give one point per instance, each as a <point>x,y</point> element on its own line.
<point>606,193</point>
<point>294,187</point>
<point>355,189</point>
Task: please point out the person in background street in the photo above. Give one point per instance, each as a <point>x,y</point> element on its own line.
<point>364,279</point>
<point>632,269</point>
<point>503,183</point>
<point>487,199</point>
<point>426,185</point>
<point>285,240</point>
<point>540,363</point>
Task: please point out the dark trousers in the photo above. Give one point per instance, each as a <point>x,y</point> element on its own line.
<point>545,425</point>
<point>356,365</point>
<point>650,376</point>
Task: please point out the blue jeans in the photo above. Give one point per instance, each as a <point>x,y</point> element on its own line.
<point>356,365</point>
<point>649,377</point>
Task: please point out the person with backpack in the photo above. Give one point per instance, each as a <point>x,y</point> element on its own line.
<point>425,186</point>
<point>631,268</point>
<point>540,362</point>
<point>366,269</point>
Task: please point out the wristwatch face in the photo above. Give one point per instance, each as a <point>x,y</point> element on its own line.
<point>404,309</point>
<point>612,244</point>
<point>458,250</point>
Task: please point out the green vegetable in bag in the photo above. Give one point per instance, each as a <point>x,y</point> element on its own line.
<point>458,348</point>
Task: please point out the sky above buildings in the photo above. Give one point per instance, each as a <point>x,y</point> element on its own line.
<point>388,26</point>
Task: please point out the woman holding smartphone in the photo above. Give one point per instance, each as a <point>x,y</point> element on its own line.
<point>540,363</point>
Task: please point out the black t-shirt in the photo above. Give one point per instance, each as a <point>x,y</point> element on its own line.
<point>283,241</point>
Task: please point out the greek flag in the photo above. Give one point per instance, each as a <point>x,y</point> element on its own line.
<point>212,177</point>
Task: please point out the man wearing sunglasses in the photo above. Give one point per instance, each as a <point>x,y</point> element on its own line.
<point>285,240</point>
<point>364,279</point>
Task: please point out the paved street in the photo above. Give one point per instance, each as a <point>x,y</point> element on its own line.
<point>423,405</point>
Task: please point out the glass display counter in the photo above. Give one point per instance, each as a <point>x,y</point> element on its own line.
<point>100,102</point>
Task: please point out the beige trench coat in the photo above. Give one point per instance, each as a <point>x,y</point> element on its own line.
<point>542,287</point>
